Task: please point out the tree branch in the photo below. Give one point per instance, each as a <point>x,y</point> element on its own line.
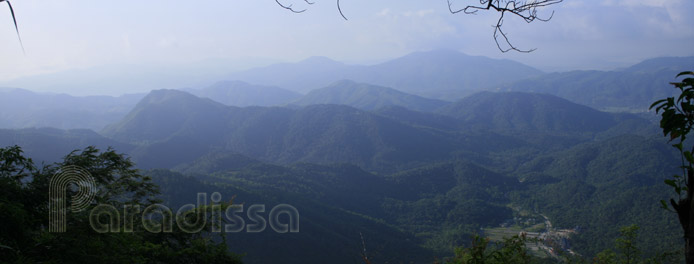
<point>340,10</point>
<point>290,8</point>
<point>527,10</point>
<point>16,28</point>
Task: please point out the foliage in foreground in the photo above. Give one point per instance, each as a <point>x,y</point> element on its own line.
<point>511,250</point>
<point>628,252</point>
<point>677,121</point>
<point>24,235</point>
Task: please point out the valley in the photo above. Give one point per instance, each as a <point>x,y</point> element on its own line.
<point>407,158</point>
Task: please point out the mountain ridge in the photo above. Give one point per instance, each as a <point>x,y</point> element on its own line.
<point>367,97</point>
<point>456,74</point>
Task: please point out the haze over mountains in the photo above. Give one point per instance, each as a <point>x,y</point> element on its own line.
<point>527,111</point>
<point>119,79</point>
<point>367,97</point>
<point>414,81</point>
<point>238,93</point>
<point>439,74</point>
<point>368,152</point>
<point>630,89</point>
<point>21,108</point>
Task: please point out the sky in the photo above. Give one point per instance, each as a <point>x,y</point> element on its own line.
<point>61,35</point>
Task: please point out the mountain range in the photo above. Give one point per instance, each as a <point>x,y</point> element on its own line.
<point>21,108</point>
<point>412,81</point>
<point>173,127</point>
<point>628,90</point>
<point>370,165</point>
<point>367,97</point>
<point>439,74</point>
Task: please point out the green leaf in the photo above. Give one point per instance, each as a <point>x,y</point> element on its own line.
<point>671,183</point>
<point>657,103</point>
<point>688,156</point>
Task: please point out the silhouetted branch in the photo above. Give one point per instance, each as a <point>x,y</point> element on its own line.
<point>527,10</point>
<point>290,8</point>
<point>340,10</point>
<point>16,28</point>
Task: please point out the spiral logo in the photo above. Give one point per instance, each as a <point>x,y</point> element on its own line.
<point>58,186</point>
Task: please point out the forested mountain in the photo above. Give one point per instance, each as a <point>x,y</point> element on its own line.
<point>527,111</point>
<point>164,113</point>
<point>404,177</point>
<point>424,203</point>
<point>175,127</point>
<point>443,203</point>
<point>441,74</point>
<point>238,93</point>
<point>330,231</point>
<point>598,185</point>
<point>630,89</point>
<point>22,109</point>
<point>367,97</point>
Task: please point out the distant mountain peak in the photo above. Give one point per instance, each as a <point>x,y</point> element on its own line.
<point>442,74</point>
<point>367,97</point>
<point>319,60</point>
<point>167,95</point>
<point>230,83</point>
<point>172,109</point>
<point>439,53</point>
<point>677,64</point>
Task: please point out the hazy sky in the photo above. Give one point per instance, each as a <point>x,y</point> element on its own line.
<point>584,34</point>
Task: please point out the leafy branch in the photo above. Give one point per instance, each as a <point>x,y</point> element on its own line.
<point>677,120</point>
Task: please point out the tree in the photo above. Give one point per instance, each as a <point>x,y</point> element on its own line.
<point>510,250</point>
<point>526,10</point>
<point>629,253</point>
<point>25,210</point>
<point>677,120</point>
